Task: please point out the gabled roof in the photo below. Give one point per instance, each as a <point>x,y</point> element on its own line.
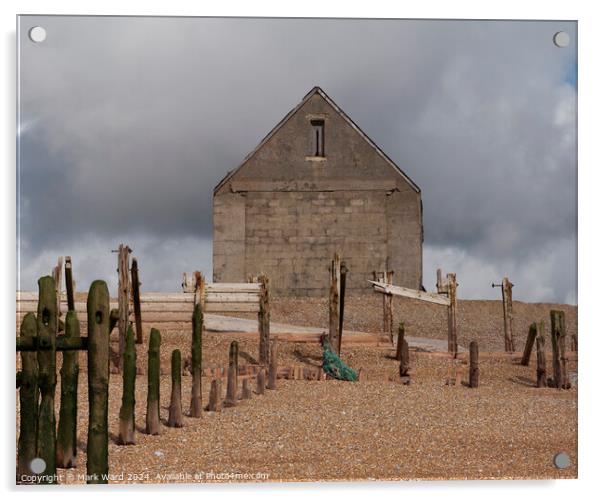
<point>318,90</point>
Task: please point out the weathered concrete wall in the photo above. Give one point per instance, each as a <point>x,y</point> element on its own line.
<point>285,213</point>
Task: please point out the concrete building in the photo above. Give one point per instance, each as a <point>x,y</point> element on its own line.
<point>317,184</point>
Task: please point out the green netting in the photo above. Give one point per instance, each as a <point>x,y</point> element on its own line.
<point>333,365</point>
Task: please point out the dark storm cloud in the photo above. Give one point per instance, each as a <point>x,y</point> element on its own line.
<point>129,123</point>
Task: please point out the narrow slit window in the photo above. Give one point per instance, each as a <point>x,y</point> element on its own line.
<point>317,129</point>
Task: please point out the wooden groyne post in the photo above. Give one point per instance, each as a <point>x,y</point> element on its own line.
<point>506,287</point>
<point>529,344</point>
<point>175,418</point>
<point>473,377</point>
<point>334,309</point>
<point>123,300</point>
<point>196,357</point>
<point>263,318</point>
<point>47,326</point>
<point>452,316</point>
<point>66,446</point>
<point>541,355</point>
<point>153,423</point>
<point>27,381</point>
<point>273,368</point>
<point>559,359</point>
<point>127,424</point>
<point>136,298</point>
<point>232,387</point>
<point>98,382</point>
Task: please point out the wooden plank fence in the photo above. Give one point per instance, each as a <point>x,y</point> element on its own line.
<point>446,296</point>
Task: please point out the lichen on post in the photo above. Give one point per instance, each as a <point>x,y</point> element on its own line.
<point>66,446</point>
<point>47,326</point>
<point>127,428</point>
<point>152,401</point>
<point>196,360</point>
<point>175,407</point>
<point>98,382</point>
<point>28,400</point>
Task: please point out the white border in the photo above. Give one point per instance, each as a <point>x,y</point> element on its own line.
<point>589,225</point>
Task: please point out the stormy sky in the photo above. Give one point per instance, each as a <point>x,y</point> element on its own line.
<point>127,124</point>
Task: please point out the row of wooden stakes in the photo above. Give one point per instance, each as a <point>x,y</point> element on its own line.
<point>266,378</point>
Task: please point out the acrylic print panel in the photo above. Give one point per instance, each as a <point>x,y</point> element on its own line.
<point>373,221</point>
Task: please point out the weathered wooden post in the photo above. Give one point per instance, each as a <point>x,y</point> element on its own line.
<point>541,358</point>
<point>508,317</point>
<point>127,426</point>
<point>153,422</point>
<point>404,360</point>
<point>136,299</point>
<point>57,273</point>
<point>98,382</point>
<point>559,359</point>
<point>246,389</point>
<point>215,395</point>
<point>199,289</point>
<point>260,388</point>
<point>69,284</point>
<point>123,299</point>
<point>473,377</point>
<point>388,306</point>
<point>196,358</point>
<point>400,339</point>
<point>529,344</point>
<point>175,406</point>
<point>344,271</point>
<point>47,326</point>
<point>334,308</point>
<point>28,399</point>
<point>273,368</point>
<point>66,446</point>
<point>452,328</point>
<point>264,320</point>
<point>232,388</point>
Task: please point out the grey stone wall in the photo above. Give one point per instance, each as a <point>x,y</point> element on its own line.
<point>285,213</point>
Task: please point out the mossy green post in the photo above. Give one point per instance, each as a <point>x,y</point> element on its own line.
<point>28,400</point>
<point>66,446</point>
<point>196,359</point>
<point>47,323</point>
<point>152,402</point>
<point>127,430</point>
<point>175,407</point>
<point>98,382</point>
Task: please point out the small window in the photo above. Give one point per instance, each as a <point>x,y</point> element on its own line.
<point>317,129</point>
